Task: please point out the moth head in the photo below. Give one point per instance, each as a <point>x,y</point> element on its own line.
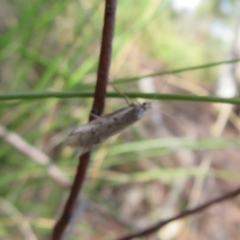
<point>142,109</point>
<point>147,105</point>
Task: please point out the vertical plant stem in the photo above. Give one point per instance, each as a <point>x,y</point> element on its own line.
<point>105,57</point>
<point>97,109</point>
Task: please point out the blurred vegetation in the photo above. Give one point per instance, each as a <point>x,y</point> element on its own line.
<point>54,45</point>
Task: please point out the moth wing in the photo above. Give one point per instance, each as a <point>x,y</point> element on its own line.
<point>81,136</point>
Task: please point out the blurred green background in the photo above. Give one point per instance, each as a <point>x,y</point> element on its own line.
<point>153,170</point>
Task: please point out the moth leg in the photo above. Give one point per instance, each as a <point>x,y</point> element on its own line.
<point>95,116</point>
<point>127,99</point>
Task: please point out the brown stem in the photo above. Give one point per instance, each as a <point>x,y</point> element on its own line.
<point>183,214</point>
<point>97,109</point>
<point>105,57</point>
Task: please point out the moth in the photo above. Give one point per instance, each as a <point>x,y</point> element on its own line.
<point>101,128</point>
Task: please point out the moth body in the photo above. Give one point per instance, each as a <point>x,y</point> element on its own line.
<point>106,126</point>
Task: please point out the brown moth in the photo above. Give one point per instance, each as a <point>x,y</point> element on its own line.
<point>101,128</point>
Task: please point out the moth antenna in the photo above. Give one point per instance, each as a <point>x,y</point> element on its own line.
<point>169,114</point>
